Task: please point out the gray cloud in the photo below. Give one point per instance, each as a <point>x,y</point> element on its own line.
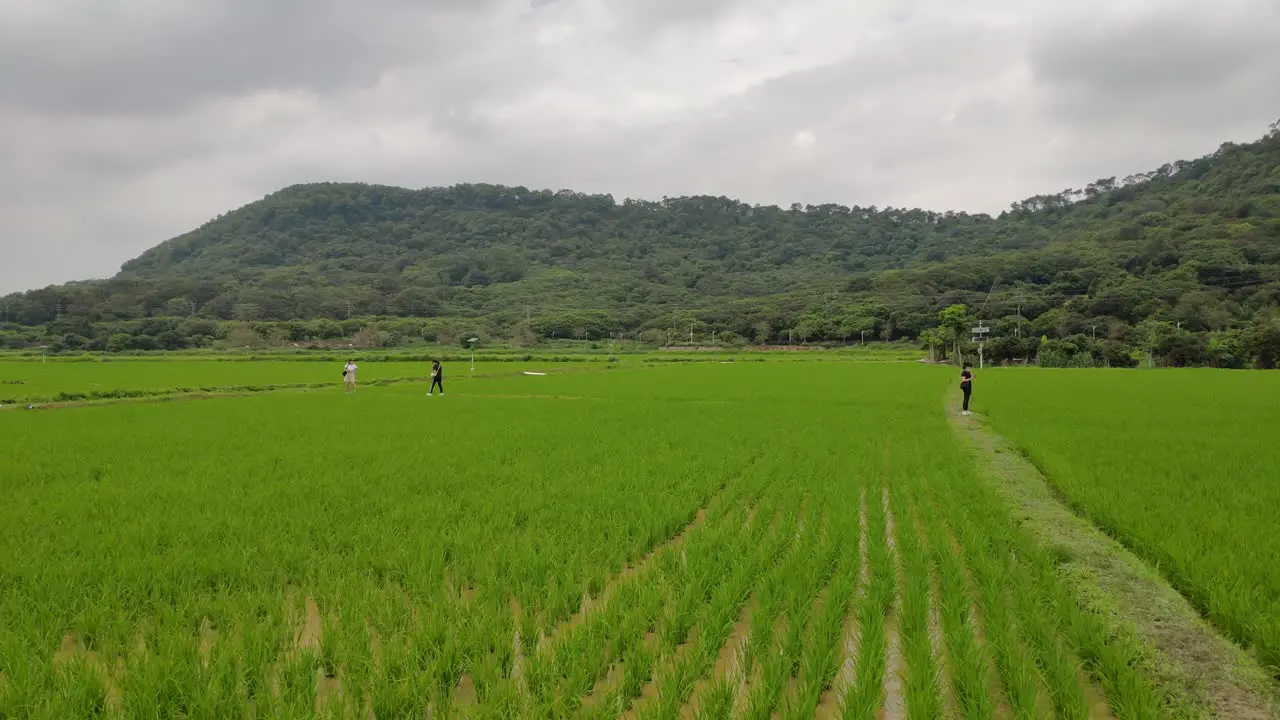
<point>158,57</point>
<point>659,15</point>
<point>126,123</point>
<point>1133,92</point>
<point>1168,69</point>
<point>1164,54</point>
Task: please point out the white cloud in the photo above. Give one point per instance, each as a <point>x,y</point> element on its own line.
<point>804,139</point>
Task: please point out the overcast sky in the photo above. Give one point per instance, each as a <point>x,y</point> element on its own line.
<point>126,122</point>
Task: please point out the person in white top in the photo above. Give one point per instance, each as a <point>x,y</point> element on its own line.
<point>349,375</point>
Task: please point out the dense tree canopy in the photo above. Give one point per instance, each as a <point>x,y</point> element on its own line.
<point>1183,261</point>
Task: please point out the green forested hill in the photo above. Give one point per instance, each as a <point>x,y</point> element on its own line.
<point>1190,248</point>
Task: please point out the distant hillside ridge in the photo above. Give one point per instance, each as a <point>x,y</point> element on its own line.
<point>1193,243</point>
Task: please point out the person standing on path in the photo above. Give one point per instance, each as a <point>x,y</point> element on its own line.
<point>966,385</point>
<point>437,378</point>
<point>349,375</point>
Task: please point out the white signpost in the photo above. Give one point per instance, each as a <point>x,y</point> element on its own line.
<point>980,337</point>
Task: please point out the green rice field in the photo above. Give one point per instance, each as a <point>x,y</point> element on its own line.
<point>703,540</point>
<point>1184,467</point>
<point>92,378</point>
<point>43,382</point>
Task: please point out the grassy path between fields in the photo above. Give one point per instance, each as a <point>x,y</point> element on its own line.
<point>1204,674</point>
<point>168,394</point>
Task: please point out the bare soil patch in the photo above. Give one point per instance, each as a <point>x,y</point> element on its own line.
<point>726,664</point>
<point>72,650</point>
<point>829,705</point>
<point>894,707</point>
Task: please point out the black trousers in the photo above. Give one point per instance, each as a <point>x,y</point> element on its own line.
<point>967,390</point>
<point>434,383</point>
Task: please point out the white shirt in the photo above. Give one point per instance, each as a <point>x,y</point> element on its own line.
<point>351,369</point>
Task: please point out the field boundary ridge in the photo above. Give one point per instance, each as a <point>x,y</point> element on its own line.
<point>1198,668</point>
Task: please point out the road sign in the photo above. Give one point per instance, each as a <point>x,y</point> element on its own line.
<point>980,335</point>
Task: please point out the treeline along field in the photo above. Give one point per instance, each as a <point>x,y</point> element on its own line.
<point>1182,466</point>
<point>736,540</point>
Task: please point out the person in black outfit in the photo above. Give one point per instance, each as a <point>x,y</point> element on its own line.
<point>437,378</point>
<point>966,384</point>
